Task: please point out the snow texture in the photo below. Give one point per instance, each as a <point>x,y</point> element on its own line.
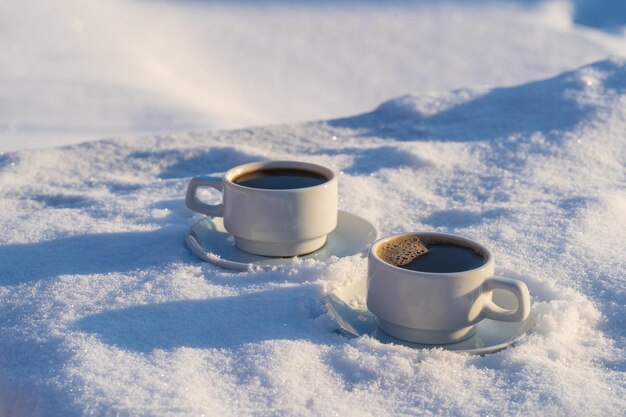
<point>103,311</point>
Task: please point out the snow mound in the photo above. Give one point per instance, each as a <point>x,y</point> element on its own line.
<point>75,70</point>
<point>103,311</point>
<point>552,105</point>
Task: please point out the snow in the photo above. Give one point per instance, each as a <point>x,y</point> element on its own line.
<point>76,70</point>
<point>103,311</point>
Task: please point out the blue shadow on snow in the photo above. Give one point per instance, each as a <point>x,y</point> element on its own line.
<point>92,254</point>
<point>283,313</point>
<point>540,106</point>
<point>187,163</point>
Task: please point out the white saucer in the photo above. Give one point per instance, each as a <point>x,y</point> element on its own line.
<point>347,307</point>
<point>209,241</point>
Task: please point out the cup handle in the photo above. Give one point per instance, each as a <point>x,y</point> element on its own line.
<point>193,202</point>
<point>493,311</point>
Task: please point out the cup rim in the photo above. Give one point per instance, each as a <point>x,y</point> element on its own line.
<point>239,170</point>
<point>489,258</point>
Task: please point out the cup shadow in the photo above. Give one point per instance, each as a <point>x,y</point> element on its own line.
<point>284,313</point>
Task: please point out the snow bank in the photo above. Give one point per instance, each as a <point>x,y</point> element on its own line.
<point>103,311</point>
<point>76,70</point>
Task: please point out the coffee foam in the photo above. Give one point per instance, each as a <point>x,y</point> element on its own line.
<point>402,250</point>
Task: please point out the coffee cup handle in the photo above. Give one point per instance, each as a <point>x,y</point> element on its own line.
<point>493,311</point>
<point>193,202</point>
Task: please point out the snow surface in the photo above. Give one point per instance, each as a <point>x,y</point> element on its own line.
<point>76,70</point>
<point>103,311</point>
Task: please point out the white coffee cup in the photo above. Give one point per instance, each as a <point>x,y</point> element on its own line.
<point>436,307</point>
<point>272,222</point>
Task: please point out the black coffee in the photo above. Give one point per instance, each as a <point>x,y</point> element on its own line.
<point>443,257</point>
<point>280,179</point>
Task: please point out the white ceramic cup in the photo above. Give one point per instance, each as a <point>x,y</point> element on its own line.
<point>434,307</point>
<point>270,222</point>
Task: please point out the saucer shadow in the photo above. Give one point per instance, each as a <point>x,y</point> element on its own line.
<point>283,313</point>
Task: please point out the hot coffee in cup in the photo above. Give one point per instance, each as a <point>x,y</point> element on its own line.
<point>280,179</point>
<point>434,288</point>
<point>410,253</point>
<point>274,208</point>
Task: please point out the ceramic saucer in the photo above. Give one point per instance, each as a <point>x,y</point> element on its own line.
<point>209,241</point>
<point>347,307</point>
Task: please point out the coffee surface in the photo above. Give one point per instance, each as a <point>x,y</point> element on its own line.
<point>280,179</point>
<point>402,250</point>
<point>443,257</point>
